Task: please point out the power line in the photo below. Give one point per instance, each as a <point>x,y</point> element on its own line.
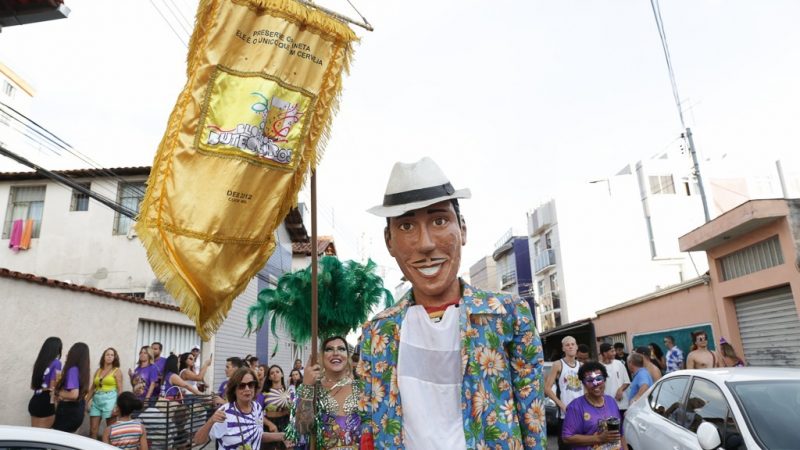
<point>60,143</point>
<point>663,36</point>
<point>178,18</point>
<point>169,24</point>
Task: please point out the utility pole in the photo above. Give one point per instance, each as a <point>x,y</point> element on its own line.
<point>69,183</point>
<point>693,152</point>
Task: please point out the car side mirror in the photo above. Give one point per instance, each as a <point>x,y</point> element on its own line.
<point>708,437</point>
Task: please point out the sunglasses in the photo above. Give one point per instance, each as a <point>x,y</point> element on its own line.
<point>701,338</point>
<point>595,380</point>
<point>252,385</point>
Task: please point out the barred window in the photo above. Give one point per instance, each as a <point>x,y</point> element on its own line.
<point>130,195</point>
<point>662,184</point>
<point>24,203</point>
<point>80,201</point>
<point>759,256</point>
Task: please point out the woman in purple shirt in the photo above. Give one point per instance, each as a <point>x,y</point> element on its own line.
<point>71,389</point>
<point>43,380</point>
<point>145,378</point>
<point>593,421</point>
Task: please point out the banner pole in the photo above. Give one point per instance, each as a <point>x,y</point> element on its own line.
<point>314,287</point>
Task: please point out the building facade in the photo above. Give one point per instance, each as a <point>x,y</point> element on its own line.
<point>750,296</point>
<point>77,240</point>
<point>483,275</point>
<point>513,267</point>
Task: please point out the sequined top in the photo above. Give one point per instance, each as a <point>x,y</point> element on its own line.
<point>338,432</point>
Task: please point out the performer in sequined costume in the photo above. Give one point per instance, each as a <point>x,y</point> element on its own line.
<point>335,420</point>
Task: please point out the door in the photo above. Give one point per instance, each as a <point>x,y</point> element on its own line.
<point>770,328</point>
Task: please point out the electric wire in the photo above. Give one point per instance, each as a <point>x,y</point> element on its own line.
<point>53,139</point>
<point>169,24</point>
<point>663,36</point>
<point>178,18</point>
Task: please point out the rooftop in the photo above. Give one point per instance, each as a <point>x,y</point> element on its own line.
<point>738,221</point>
<point>6,273</point>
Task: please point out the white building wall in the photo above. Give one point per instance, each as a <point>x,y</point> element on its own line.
<point>602,247</point>
<point>32,312</point>
<point>79,246</point>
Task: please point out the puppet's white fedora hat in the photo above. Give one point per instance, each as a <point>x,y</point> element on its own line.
<point>416,185</point>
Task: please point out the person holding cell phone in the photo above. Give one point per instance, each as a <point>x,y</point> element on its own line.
<point>593,421</point>
<point>238,423</point>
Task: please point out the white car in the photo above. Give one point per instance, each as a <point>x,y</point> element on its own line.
<point>28,438</point>
<point>748,408</point>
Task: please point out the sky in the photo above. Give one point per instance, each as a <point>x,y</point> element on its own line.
<point>515,100</point>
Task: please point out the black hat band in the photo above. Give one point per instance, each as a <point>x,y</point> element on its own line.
<point>418,195</point>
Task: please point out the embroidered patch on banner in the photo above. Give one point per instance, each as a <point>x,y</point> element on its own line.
<point>255,117</point>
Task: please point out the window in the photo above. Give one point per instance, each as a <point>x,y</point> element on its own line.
<point>661,184</point>
<point>540,288</point>
<point>706,403</point>
<point>760,256</point>
<point>130,195</point>
<point>669,399</point>
<point>80,201</point>
<point>8,89</point>
<point>548,243</point>
<point>24,203</point>
<point>554,281</point>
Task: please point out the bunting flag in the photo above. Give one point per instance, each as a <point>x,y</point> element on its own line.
<point>263,80</point>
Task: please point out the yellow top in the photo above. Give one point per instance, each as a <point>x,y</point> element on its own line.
<point>107,383</point>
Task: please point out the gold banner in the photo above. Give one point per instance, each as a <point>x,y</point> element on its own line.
<point>263,83</point>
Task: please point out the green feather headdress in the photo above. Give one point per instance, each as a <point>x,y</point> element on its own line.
<point>347,292</point>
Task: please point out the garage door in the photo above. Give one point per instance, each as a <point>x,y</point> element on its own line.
<point>770,328</point>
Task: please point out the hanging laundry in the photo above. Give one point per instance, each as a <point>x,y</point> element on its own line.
<point>16,235</point>
<point>27,233</point>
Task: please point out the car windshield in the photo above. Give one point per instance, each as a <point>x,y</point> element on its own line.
<point>772,410</point>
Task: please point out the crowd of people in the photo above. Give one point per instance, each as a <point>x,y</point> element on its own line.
<point>602,390</point>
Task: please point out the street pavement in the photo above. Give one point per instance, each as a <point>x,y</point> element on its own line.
<point>552,440</point>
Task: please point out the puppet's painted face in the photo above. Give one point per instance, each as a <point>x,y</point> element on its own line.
<point>426,243</point>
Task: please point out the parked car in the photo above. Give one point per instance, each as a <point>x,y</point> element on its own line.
<point>733,409</point>
<point>551,411</point>
<point>28,438</point>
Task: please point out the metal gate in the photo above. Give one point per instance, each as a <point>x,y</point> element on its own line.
<point>769,327</point>
<point>175,338</point>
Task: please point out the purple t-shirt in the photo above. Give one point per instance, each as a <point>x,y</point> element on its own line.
<point>582,418</point>
<point>222,387</point>
<point>50,373</point>
<point>72,379</point>
<point>147,375</point>
<point>160,363</point>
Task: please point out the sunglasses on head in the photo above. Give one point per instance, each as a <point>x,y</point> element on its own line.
<point>595,380</point>
<point>252,385</point>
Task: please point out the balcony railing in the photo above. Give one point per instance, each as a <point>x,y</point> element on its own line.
<point>508,279</point>
<point>545,259</point>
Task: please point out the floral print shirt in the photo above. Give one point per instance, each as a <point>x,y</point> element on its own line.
<point>502,393</point>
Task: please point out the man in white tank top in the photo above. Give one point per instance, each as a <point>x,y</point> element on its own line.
<point>565,373</point>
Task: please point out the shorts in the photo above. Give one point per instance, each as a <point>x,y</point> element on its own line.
<point>40,405</point>
<point>103,404</point>
<point>69,416</point>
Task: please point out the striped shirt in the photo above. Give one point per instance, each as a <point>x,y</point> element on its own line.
<point>126,434</point>
<point>239,428</point>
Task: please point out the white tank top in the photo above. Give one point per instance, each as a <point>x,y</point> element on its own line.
<point>569,383</point>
